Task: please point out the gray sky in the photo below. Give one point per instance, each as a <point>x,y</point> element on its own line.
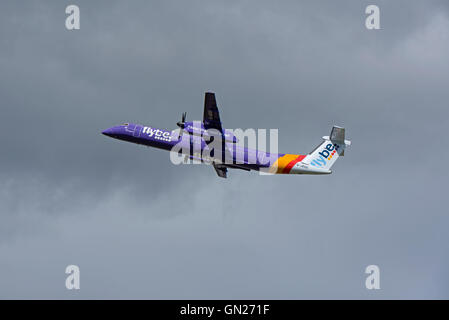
<point>141,227</point>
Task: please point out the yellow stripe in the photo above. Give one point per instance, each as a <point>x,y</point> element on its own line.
<point>282,162</point>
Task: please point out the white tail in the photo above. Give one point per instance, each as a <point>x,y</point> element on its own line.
<point>333,146</point>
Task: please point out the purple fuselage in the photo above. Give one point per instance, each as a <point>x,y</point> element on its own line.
<point>233,153</point>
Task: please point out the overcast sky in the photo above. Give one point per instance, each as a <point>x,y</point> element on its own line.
<point>140,227</point>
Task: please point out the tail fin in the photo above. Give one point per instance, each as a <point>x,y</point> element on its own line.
<point>333,146</point>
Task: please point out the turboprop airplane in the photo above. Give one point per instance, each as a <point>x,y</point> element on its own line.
<point>196,138</point>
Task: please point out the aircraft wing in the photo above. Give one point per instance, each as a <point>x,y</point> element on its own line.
<point>220,170</point>
<point>211,117</point>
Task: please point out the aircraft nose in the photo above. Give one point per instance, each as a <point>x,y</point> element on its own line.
<point>108,132</point>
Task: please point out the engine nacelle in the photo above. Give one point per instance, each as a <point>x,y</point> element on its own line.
<point>206,134</point>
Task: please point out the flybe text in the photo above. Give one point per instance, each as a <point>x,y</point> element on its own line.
<point>326,154</point>
<point>157,133</point>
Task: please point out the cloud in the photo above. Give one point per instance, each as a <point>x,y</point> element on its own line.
<point>140,227</point>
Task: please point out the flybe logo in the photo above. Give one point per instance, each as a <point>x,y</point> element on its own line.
<point>326,154</point>
<point>157,134</point>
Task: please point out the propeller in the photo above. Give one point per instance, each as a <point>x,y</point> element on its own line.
<point>181,124</point>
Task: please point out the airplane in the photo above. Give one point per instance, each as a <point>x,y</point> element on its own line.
<point>196,137</point>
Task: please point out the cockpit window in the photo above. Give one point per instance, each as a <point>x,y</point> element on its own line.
<point>125,124</point>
